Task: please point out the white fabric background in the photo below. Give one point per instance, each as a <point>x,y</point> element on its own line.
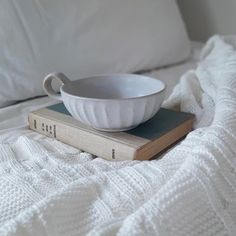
<point>49,188</point>
<point>15,116</point>
<point>82,38</point>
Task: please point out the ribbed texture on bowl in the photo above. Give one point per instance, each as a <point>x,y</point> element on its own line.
<point>113,115</point>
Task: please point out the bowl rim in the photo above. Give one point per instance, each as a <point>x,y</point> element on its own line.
<point>116,99</point>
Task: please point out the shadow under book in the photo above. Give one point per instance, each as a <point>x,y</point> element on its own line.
<point>141,143</point>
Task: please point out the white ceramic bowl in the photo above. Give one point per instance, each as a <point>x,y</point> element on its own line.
<point>115,102</point>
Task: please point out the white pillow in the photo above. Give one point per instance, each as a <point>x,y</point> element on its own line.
<point>82,38</point>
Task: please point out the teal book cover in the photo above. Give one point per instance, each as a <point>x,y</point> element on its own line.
<point>164,121</point>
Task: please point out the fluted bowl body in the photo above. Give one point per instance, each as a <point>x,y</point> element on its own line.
<point>115,102</point>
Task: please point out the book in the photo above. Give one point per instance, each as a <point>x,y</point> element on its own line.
<point>141,143</point>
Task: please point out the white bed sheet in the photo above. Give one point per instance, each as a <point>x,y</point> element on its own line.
<point>49,188</point>
<point>15,116</point>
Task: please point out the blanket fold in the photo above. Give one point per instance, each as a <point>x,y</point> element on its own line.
<point>48,188</point>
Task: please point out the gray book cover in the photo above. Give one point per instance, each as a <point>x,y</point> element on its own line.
<point>164,121</point>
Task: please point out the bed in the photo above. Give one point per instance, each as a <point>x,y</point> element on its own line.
<point>50,188</point>
<point>15,116</point>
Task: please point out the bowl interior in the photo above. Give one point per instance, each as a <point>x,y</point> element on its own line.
<point>114,87</point>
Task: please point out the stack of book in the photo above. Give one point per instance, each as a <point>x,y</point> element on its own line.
<point>141,143</point>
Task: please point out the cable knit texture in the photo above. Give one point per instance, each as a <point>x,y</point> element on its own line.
<point>49,188</point>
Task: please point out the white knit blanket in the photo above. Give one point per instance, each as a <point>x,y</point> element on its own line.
<point>48,188</point>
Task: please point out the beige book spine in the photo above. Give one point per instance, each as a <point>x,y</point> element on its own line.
<point>79,138</point>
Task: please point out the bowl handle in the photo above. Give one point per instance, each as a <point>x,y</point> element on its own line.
<point>47,84</point>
